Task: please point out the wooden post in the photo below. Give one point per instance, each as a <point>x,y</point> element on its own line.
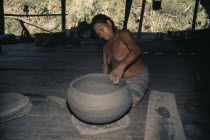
<point>63,12</point>
<point>195,14</point>
<point>141,18</point>
<point>127,12</point>
<point>2,17</point>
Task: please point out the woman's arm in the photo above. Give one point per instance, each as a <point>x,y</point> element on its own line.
<point>134,48</point>
<point>133,55</point>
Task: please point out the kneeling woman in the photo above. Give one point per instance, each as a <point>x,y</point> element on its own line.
<point>121,56</point>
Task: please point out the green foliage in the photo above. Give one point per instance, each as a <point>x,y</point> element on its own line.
<point>110,9</point>
<point>8,26</point>
<point>96,1</point>
<point>120,21</point>
<point>86,14</point>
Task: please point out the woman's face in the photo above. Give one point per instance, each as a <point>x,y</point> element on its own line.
<point>104,30</point>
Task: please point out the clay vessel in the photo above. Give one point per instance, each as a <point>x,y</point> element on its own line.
<point>94,98</point>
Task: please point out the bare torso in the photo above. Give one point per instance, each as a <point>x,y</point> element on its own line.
<point>117,51</point>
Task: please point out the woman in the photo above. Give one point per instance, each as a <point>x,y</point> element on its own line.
<point>121,56</point>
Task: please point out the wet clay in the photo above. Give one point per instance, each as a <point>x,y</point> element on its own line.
<point>162,111</point>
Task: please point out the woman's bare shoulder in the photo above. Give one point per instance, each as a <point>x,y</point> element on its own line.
<point>124,33</point>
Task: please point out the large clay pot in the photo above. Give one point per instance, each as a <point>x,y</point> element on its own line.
<point>94,98</point>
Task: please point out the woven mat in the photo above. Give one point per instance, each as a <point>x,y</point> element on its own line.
<point>90,129</point>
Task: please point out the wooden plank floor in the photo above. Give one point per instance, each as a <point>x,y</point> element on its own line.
<point>37,72</point>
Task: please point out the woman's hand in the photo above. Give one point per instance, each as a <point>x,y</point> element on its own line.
<point>116,74</point>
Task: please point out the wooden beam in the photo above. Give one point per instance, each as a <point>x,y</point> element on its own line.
<point>18,15</point>
<point>2,17</point>
<point>141,18</point>
<point>195,14</point>
<point>127,12</point>
<point>34,26</point>
<point>63,11</point>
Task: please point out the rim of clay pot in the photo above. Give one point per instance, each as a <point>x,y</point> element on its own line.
<point>122,80</point>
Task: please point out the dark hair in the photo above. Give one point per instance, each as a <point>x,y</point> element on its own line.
<point>101,18</point>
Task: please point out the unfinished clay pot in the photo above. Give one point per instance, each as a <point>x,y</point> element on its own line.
<point>94,98</point>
